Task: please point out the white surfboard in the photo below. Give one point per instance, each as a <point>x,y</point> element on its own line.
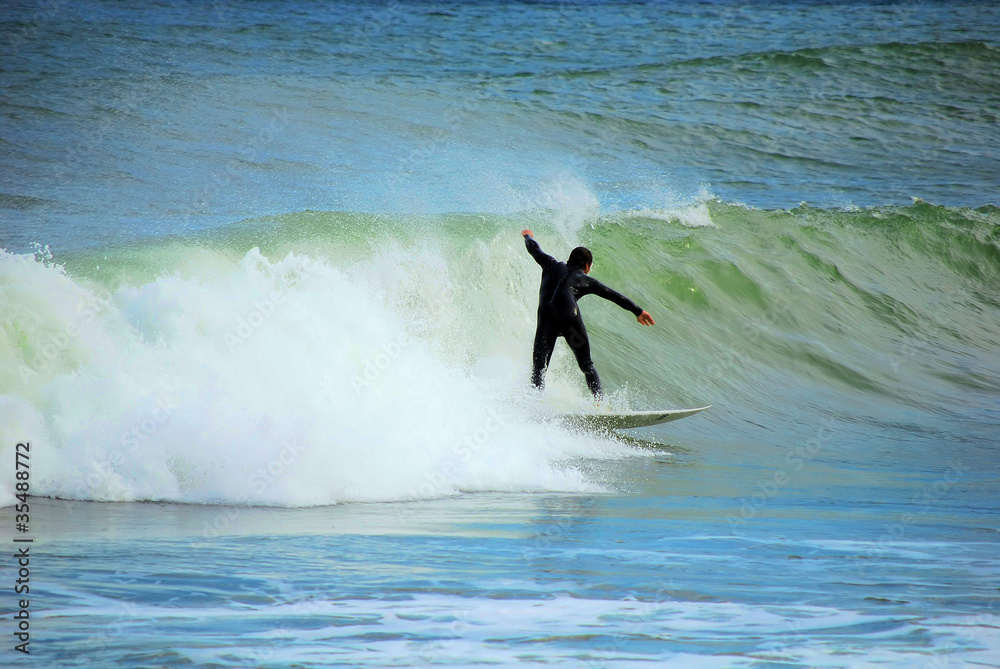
<point>622,420</point>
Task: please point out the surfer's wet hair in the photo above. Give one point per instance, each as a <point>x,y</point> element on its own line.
<point>580,257</point>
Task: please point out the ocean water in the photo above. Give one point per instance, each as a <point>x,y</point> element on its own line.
<point>266,319</point>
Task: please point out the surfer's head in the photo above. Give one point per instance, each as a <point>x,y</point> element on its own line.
<point>581,257</point>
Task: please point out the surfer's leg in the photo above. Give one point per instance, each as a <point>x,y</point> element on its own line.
<point>545,342</point>
<point>576,337</point>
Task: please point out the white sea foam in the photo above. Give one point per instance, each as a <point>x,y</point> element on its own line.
<point>285,382</point>
<point>451,630</point>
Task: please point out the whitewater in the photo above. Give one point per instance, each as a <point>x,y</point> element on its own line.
<point>184,388</point>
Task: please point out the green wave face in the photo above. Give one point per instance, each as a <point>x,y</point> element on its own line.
<point>335,327</point>
<point>892,301</point>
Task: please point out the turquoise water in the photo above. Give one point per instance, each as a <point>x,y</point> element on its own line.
<point>266,317</point>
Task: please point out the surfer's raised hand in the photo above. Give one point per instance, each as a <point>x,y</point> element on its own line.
<point>645,318</point>
<point>527,233</point>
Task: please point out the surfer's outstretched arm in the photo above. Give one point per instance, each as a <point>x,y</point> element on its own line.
<point>540,256</point>
<point>595,287</point>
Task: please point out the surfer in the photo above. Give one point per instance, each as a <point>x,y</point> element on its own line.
<point>563,284</point>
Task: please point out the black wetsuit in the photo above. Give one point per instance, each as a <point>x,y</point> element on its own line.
<point>559,315</point>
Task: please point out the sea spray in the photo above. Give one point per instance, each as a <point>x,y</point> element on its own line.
<point>166,406</point>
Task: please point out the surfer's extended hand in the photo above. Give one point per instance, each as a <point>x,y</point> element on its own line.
<point>527,233</point>
<point>645,318</point>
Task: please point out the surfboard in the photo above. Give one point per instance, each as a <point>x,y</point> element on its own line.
<point>626,419</point>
